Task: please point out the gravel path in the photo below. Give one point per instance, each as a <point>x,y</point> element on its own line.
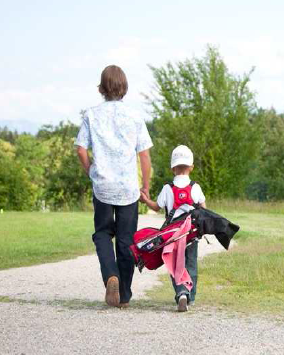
<point>38,321</point>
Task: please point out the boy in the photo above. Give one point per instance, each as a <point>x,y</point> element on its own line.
<point>116,135</point>
<point>182,166</point>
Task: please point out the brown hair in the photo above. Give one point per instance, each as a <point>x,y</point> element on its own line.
<point>113,84</point>
<point>182,169</point>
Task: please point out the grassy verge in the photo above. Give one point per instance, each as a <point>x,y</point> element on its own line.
<point>248,278</point>
<point>246,206</point>
<point>36,238</point>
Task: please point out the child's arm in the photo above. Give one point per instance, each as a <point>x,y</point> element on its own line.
<point>151,204</point>
<point>203,204</point>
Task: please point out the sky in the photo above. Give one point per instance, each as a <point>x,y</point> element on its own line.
<point>53,52</point>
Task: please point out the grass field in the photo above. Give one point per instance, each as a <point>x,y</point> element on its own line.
<point>247,278</point>
<point>36,237</point>
<point>246,206</point>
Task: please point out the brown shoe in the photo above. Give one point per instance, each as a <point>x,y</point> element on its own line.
<point>112,292</point>
<point>124,305</point>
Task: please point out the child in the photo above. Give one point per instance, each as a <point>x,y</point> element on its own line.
<point>182,187</point>
<point>116,135</point>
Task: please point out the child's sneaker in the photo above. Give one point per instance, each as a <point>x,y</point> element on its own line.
<point>182,303</point>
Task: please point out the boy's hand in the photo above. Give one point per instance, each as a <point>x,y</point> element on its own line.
<point>151,204</point>
<point>145,191</point>
<point>143,196</point>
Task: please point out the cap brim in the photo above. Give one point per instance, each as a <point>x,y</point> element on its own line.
<point>181,162</point>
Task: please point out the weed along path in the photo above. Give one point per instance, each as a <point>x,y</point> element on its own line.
<point>58,308</point>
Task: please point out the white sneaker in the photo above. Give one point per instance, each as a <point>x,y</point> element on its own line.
<point>182,303</point>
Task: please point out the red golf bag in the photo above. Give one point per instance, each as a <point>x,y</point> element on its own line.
<point>149,243</point>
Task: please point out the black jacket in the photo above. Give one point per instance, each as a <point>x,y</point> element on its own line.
<point>209,222</point>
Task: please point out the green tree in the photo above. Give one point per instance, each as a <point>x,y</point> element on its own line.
<point>16,191</point>
<point>67,186</point>
<point>199,103</point>
<point>267,181</point>
<point>7,135</point>
<point>31,154</point>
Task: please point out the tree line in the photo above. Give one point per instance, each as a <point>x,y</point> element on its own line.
<point>42,171</point>
<point>238,146</point>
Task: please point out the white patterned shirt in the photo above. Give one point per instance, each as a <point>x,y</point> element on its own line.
<point>116,133</point>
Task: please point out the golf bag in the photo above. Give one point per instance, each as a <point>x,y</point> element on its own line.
<point>148,243</point>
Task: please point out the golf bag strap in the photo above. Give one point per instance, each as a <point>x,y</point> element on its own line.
<point>172,184</point>
<point>169,216</point>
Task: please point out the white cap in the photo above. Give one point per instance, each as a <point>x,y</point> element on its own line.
<point>181,155</point>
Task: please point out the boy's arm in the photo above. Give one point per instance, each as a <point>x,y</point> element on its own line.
<point>84,158</point>
<point>145,163</point>
<point>203,205</point>
<point>151,204</point>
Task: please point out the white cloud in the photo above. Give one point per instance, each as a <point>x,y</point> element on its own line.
<point>126,53</point>
<point>264,53</point>
<point>57,100</point>
<point>48,104</point>
<point>78,62</point>
<point>267,56</point>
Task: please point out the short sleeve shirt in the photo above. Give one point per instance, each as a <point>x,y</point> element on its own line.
<point>115,133</point>
<point>166,196</point>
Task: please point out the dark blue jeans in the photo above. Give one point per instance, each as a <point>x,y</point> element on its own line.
<point>191,266</point>
<point>119,222</point>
